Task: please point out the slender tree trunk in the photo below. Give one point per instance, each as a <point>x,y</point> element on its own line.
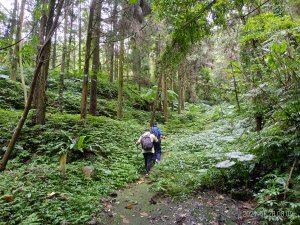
<point>121,72</point>
<point>116,55</point>
<point>17,49</point>
<point>79,37</point>
<point>63,63</point>
<point>87,63</point>
<point>41,59</point>
<point>179,92</point>
<point>236,90</point>
<point>112,45</point>
<point>172,88</point>
<point>54,51</point>
<point>11,55</point>
<point>159,81</point>
<point>22,76</point>
<point>69,48</point>
<point>41,102</point>
<point>96,59</point>
<point>182,104</point>
<point>165,103</point>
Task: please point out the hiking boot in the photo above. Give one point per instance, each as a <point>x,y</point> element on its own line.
<point>147,175</point>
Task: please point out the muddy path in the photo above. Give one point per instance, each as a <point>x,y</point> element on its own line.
<point>138,205</point>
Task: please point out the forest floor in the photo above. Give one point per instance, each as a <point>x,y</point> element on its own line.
<point>138,205</point>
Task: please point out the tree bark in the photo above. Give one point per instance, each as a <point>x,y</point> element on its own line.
<point>121,73</point>
<point>182,103</point>
<point>172,88</point>
<point>159,81</point>
<point>87,63</point>
<point>63,63</point>
<point>41,59</point>
<point>96,59</point>
<point>41,102</point>
<point>112,45</point>
<point>165,103</point>
<point>42,30</point>
<point>179,92</point>
<point>68,55</point>
<point>236,90</point>
<point>18,47</point>
<point>54,51</point>
<point>79,37</point>
<point>116,62</point>
<point>13,61</point>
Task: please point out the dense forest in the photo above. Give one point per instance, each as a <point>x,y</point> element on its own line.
<point>81,80</point>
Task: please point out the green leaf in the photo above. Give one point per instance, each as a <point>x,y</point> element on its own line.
<point>131,2</point>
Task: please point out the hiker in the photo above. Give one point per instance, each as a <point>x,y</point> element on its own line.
<point>157,145</point>
<point>147,140</point>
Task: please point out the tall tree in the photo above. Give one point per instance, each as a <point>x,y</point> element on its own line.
<point>17,59</point>
<point>63,63</point>
<point>96,60</point>
<point>165,94</point>
<point>112,44</point>
<point>79,36</point>
<point>41,93</point>
<point>84,93</point>
<point>13,61</point>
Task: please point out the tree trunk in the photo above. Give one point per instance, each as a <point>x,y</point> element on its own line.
<point>54,51</point>
<point>121,71</point>
<point>236,91</point>
<point>68,56</point>
<point>17,49</point>
<point>159,81</point>
<point>182,104</point>
<point>87,63</point>
<point>172,88</point>
<point>41,102</point>
<point>165,103</point>
<point>96,59</point>
<point>42,31</point>
<point>112,45</point>
<point>116,55</point>
<point>11,55</point>
<point>41,59</point>
<point>63,63</point>
<point>79,37</point>
<point>179,92</point>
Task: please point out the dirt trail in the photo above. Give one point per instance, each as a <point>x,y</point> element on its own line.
<point>138,205</point>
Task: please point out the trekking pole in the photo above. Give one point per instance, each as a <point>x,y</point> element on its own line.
<point>137,152</point>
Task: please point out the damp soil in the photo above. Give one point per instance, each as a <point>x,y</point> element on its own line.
<point>138,205</point>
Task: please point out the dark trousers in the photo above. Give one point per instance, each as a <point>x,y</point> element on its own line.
<point>148,161</point>
<point>157,148</point>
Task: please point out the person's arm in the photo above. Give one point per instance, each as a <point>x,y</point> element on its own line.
<point>154,138</point>
<point>139,141</point>
<point>159,132</point>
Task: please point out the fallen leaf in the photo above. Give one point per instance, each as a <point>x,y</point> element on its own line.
<point>64,196</point>
<point>126,221</point>
<point>52,194</point>
<point>144,214</point>
<point>140,181</point>
<point>8,198</point>
<point>129,206</point>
